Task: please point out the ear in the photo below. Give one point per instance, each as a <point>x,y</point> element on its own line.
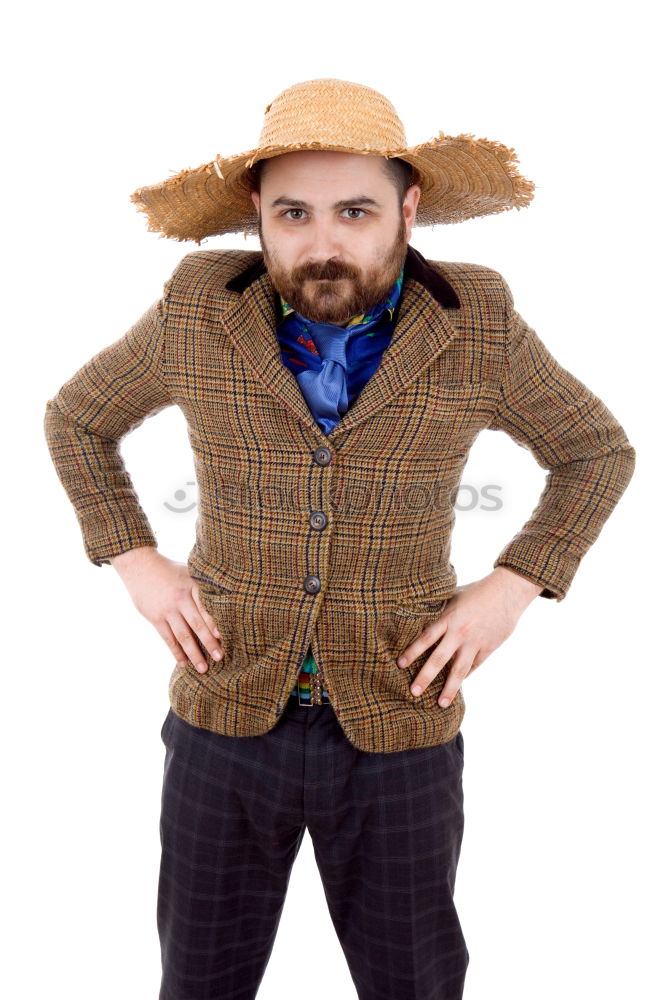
<point>409,205</point>
<point>256,198</point>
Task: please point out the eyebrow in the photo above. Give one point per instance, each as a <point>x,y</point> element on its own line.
<point>344,203</point>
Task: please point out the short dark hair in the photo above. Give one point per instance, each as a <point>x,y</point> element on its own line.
<point>398,171</point>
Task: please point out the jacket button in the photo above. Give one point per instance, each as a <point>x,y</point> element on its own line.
<point>312,584</point>
<point>318,520</point>
<point>322,455</point>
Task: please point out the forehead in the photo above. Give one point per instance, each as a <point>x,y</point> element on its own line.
<point>322,164</point>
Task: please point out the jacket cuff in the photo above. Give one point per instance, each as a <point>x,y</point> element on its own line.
<point>534,560</point>
<point>102,542</point>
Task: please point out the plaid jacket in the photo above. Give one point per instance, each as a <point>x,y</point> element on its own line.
<point>340,541</point>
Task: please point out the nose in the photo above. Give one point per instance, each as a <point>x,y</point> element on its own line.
<point>324,242</point>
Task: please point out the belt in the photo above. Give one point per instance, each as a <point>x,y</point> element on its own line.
<point>303,693</point>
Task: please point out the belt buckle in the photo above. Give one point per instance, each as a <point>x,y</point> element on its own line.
<point>302,703</point>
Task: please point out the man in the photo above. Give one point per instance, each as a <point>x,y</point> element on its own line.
<point>333,385</point>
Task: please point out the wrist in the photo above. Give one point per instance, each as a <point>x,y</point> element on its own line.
<point>522,586</point>
<point>133,557</point>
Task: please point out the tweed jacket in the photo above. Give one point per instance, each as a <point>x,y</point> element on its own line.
<point>338,541</point>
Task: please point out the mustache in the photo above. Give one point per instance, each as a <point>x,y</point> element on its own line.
<point>331,271</point>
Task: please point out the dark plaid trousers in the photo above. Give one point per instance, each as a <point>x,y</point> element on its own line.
<point>386,830</point>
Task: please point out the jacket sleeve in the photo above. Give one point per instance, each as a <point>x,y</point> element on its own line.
<point>85,422</point>
<point>572,434</point>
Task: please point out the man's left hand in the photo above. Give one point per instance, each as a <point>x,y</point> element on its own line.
<point>478,618</point>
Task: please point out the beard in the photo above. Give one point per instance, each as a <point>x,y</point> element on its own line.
<point>339,291</point>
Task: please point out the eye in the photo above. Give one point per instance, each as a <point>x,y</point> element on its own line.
<point>290,210</point>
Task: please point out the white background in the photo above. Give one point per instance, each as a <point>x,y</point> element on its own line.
<point>561,880</point>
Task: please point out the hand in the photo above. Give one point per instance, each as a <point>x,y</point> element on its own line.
<point>477,619</point>
<point>164,592</point>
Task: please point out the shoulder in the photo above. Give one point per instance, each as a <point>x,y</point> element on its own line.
<point>477,286</point>
<point>210,271</point>
<point>481,319</point>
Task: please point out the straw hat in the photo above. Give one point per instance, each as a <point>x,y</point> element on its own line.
<point>460,177</point>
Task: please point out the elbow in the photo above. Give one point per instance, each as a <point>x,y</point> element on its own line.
<point>620,466</point>
<point>629,458</point>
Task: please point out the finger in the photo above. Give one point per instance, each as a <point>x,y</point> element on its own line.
<point>434,664</point>
<point>199,625</point>
<point>460,668</point>
<point>164,629</point>
<point>430,633</point>
<point>208,618</point>
<point>185,638</point>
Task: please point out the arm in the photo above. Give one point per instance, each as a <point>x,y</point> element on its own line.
<point>84,424</point>
<point>572,434</point>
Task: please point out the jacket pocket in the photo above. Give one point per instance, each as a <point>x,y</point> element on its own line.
<point>211,587</point>
<point>220,605</point>
<point>407,621</point>
<point>422,608</point>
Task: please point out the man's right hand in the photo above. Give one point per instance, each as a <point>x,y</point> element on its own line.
<point>164,592</point>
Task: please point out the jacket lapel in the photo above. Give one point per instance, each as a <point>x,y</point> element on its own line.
<point>422,331</point>
<point>250,324</point>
